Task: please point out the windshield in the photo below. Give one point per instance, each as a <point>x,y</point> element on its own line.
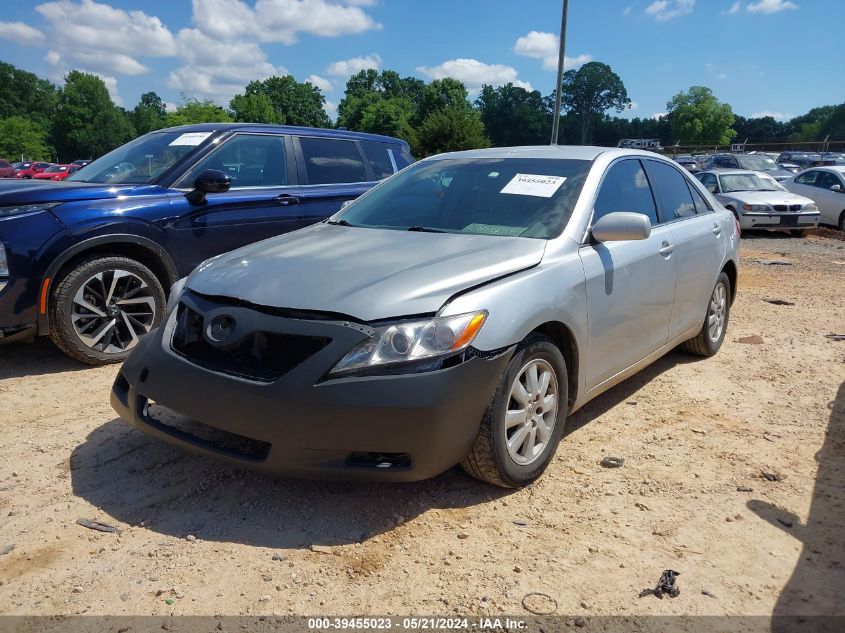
<point>54,169</point>
<point>748,182</point>
<point>142,160</point>
<point>757,163</point>
<point>517,197</point>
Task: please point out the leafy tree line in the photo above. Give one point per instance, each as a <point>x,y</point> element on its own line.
<point>79,119</point>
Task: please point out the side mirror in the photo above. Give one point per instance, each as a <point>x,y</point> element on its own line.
<point>622,226</point>
<point>712,189</point>
<point>837,188</point>
<point>345,204</point>
<point>209,181</point>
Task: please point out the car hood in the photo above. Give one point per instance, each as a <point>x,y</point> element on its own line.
<point>43,190</point>
<point>367,274</point>
<point>768,197</point>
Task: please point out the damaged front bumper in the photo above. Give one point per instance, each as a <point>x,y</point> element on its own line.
<point>277,411</point>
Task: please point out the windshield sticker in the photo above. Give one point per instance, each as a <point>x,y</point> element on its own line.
<point>191,138</point>
<point>494,229</point>
<point>534,185</point>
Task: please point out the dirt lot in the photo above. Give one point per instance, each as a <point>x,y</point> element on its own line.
<point>696,437</point>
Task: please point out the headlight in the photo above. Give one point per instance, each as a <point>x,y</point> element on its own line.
<point>175,292</point>
<point>413,341</point>
<point>760,208</point>
<point>810,207</point>
<point>19,209</point>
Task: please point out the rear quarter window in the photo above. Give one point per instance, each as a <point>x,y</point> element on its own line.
<point>382,158</point>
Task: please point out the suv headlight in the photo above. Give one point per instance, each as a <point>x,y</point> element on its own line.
<point>760,208</point>
<point>411,341</point>
<point>20,209</point>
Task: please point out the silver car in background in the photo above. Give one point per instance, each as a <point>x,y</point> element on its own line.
<point>456,313</point>
<point>759,201</point>
<point>826,186</point>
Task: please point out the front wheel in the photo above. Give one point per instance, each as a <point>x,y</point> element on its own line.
<point>102,306</point>
<point>524,420</point>
<point>712,334</point>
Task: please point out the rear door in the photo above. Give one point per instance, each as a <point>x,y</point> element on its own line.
<point>630,284</point>
<point>257,206</point>
<point>832,202</point>
<point>698,238</point>
<point>331,171</point>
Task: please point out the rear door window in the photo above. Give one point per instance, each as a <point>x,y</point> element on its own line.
<point>329,161</point>
<point>625,188</point>
<point>698,200</point>
<point>381,158</point>
<point>671,190</point>
<point>827,180</point>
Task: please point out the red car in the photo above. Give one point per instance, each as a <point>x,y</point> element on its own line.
<point>28,170</point>
<point>6,170</point>
<point>56,172</point>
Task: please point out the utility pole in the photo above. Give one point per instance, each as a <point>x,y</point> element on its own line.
<point>560,59</point>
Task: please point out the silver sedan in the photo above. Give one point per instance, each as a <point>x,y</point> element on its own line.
<point>759,201</point>
<point>456,313</point>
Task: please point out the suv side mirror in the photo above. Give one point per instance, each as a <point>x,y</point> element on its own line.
<point>209,181</point>
<point>837,188</point>
<point>622,226</point>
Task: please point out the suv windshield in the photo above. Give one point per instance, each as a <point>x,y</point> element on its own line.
<point>748,182</point>
<point>757,163</point>
<point>524,197</point>
<point>142,160</point>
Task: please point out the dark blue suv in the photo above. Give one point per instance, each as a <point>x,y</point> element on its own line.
<point>88,261</point>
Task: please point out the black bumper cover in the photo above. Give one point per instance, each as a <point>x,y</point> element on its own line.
<point>311,428</point>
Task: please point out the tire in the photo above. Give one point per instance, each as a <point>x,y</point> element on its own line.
<point>798,233</point>
<point>842,221</point>
<point>490,460</point>
<point>704,344</point>
<point>86,299</point>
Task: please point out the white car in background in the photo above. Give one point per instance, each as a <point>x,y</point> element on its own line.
<point>826,187</point>
<point>759,201</point>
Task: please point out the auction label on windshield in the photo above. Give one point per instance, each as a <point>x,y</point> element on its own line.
<point>190,138</point>
<point>534,185</point>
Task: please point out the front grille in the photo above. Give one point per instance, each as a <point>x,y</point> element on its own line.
<point>787,207</point>
<point>780,207</point>
<point>261,356</point>
<point>794,207</point>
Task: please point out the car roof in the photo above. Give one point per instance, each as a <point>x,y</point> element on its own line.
<point>735,172</point>
<point>573,152</point>
<point>840,169</point>
<point>280,129</point>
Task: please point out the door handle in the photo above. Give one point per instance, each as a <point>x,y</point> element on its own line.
<point>286,200</point>
<point>717,230</point>
<point>667,249</point>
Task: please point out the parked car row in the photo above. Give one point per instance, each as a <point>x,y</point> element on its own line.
<point>35,169</point>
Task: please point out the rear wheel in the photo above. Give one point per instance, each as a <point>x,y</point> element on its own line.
<point>524,420</point>
<point>102,306</point>
<point>709,340</point>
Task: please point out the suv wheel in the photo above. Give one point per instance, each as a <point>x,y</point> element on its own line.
<point>102,306</point>
<point>524,421</point>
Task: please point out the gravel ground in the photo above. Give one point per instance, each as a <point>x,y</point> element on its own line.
<point>699,439</point>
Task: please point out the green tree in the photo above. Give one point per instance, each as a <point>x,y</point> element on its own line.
<point>295,103</point>
<point>20,137</point>
<point>149,114</point>
<point>699,117</point>
<point>592,90</point>
<point>195,111</point>
<point>390,117</point>
<point>451,129</point>
<point>23,93</point>
<point>86,122</point>
<point>368,87</point>
<point>439,95</point>
<point>514,116</point>
<point>255,108</point>
<point>835,123</point>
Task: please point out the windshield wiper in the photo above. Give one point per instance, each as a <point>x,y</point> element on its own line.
<point>339,223</point>
<point>425,229</point>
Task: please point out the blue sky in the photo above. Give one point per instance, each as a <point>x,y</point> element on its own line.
<point>780,57</point>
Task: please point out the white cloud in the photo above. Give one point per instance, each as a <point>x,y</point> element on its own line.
<point>770,6</point>
<point>779,116</point>
<point>627,10</point>
<point>21,33</point>
<point>330,108</point>
<point>53,58</point>
<point>349,67</point>
<point>658,115</point>
<point>169,106</point>
<point>633,105</point>
<point>320,82</point>
<point>545,46</point>
<point>474,73</point>
<point>736,7</point>
<point>664,10</point>
<point>281,20</point>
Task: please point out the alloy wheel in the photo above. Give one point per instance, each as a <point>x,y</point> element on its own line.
<point>716,312</point>
<point>111,310</point>
<point>532,411</point>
